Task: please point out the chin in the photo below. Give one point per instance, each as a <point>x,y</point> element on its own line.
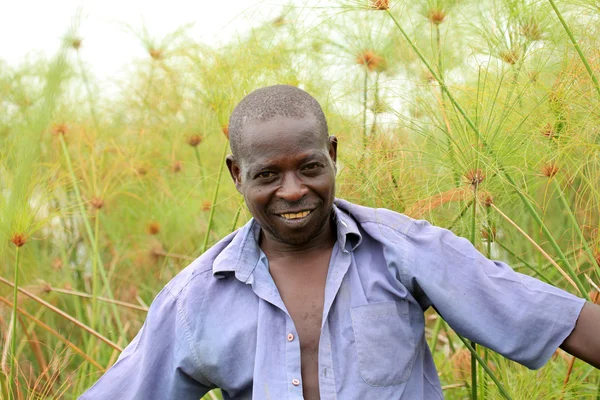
<point>301,237</point>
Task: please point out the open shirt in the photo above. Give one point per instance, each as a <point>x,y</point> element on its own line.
<point>221,321</point>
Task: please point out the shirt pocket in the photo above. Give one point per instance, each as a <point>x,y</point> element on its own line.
<point>384,342</point>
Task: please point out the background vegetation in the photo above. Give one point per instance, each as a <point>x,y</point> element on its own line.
<point>480,116</point>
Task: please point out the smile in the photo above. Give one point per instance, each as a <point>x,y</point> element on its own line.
<point>297,215</point>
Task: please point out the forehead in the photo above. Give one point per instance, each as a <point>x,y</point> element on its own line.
<point>281,137</point>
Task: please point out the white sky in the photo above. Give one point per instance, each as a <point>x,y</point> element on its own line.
<point>109,46</point>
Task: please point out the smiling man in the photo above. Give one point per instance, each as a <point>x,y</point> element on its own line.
<point>318,298</point>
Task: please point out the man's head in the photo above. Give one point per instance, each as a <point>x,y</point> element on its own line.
<point>283,162</point>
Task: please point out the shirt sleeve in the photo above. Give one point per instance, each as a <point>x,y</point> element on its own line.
<point>159,363</point>
<point>513,314</point>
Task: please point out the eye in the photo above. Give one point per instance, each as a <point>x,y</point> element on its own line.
<point>311,166</point>
<point>265,175</point>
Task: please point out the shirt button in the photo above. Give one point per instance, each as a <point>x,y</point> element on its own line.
<point>295,382</point>
<point>290,337</point>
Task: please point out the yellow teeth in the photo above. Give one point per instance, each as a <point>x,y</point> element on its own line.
<point>301,214</point>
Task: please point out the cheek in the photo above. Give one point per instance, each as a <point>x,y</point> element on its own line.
<point>256,198</point>
<point>325,187</point>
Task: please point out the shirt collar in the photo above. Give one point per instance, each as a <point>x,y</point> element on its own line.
<point>243,254</point>
<point>348,234</point>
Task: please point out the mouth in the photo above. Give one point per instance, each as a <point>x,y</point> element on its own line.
<point>297,215</point>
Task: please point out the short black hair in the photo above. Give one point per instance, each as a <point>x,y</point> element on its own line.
<point>272,101</point>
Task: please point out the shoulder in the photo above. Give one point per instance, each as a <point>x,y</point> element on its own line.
<point>199,273</point>
<point>377,218</point>
<point>384,224</point>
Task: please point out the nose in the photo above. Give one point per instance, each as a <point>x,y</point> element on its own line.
<point>292,189</point>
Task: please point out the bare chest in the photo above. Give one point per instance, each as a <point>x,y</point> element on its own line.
<point>303,295</point>
<point>306,311</point>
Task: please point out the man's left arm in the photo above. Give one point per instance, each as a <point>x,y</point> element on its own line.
<point>484,300</point>
<point>584,341</point>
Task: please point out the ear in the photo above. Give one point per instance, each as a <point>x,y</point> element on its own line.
<point>235,171</point>
<point>333,148</point>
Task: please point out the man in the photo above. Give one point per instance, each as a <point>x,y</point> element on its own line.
<point>318,298</point>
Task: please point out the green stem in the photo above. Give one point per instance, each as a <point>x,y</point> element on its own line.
<point>526,264</point>
<point>376,104</point>
<point>439,79</point>
<point>447,330</point>
<point>236,217</point>
<point>490,152</point>
<point>473,359</point>
<point>90,346</point>
<point>147,94</point>
<point>145,105</point>
<point>507,108</point>
<point>95,272</point>
<point>484,377</point>
<point>474,217</point>
<point>551,239</point>
<point>366,82</point>
<point>449,144</point>
<point>491,237</point>
<point>436,331</point>
<point>89,92</point>
<point>13,340</point>
<point>486,368</point>
<point>89,232</point>
<point>215,197</point>
<point>460,215</point>
<point>197,152</point>
<point>584,241</point>
<point>438,42</point>
<point>576,45</point>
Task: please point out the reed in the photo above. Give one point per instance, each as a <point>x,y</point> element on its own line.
<point>113,198</point>
<point>486,368</point>
<point>54,333</point>
<point>582,56</point>
<point>49,289</point>
<point>575,223</point>
<point>215,196</point>
<point>89,232</point>
<point>18,241</point>
<point>63,314</point>
<point>476,179</point>
<point>528,204</point>
<point>194,141</point>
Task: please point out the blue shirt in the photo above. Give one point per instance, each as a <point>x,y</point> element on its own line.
<point>221,321</point>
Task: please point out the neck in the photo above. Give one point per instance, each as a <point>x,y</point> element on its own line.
<point>275,248</point>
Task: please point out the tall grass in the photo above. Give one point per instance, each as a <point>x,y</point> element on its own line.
<point>478,116</point>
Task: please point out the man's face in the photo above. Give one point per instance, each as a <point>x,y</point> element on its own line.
<point>287,177</point>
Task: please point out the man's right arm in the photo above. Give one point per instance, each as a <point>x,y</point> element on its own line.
<point>160,362</point>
